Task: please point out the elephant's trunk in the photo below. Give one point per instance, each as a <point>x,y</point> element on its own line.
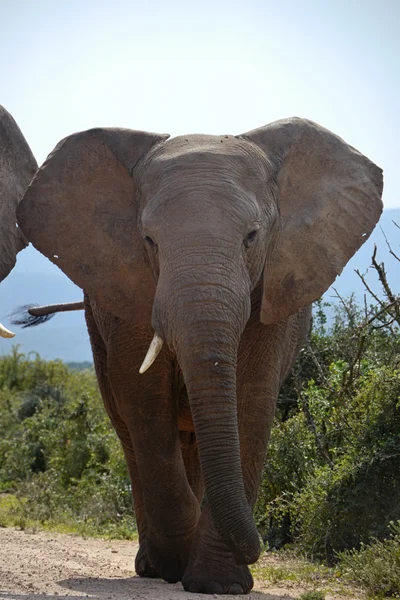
<point>211,383</point>
<point>203,322</point>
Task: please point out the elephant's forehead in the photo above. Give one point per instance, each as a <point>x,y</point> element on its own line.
<point>217,144</point>
<point>216,151</point>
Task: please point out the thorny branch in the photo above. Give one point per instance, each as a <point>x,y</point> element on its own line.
<point>380,269</point>
<point>362,277</point>
<point>388,245</point>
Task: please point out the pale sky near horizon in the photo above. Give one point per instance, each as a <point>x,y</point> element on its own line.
<point>204,67</point>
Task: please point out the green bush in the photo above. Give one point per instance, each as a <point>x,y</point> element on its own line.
<point>58,450</point>
<point>376,567</point>
<point>332,475</point>
<point>291,459</point>
<point>354,500</point>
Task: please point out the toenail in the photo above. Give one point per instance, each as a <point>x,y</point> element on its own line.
<point>214,588</point>
<point>194,587</point>
<point>236,589</point>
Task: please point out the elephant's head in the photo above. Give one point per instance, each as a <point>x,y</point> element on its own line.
<point>17,167</point>
<point>182,231</point>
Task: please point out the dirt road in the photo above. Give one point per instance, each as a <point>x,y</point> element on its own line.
<point>54,566</point>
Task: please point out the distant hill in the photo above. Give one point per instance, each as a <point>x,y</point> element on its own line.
<point>80,366</point>
<point>36,279</point>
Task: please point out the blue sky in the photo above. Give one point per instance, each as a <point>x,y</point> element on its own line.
<point>210,66</point>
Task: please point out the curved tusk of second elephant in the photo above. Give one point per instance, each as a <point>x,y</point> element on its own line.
<point>5,333</point>
<point>152,353</point>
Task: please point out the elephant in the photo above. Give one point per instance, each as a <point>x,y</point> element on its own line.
<point>208,251</point>
<point>17,167</point>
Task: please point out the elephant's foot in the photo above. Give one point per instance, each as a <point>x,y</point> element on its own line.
<point>212,568</point>
<point>169,557</point>
<point>142,564</point>
<point>217,575</point>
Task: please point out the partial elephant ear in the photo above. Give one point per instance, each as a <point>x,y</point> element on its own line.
<point>329,200</point>
<point>17,167</point>
<point>81,211</point>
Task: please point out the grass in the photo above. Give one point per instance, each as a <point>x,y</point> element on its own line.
<point>13,514</point>
<point>285,566</point>
<point>8,510</point>
<point>313,596</point>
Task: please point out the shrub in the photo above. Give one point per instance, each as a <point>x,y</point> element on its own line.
<point>332,476</point>
<point>354,500</point>
<point>376,567</point>
<point>58,450</point>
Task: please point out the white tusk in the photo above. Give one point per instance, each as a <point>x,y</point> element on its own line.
<point>152,353</point>
<point>6,333</point>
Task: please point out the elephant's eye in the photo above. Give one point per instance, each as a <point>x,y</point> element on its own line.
<point>150,241</point>
<point>249,239</point>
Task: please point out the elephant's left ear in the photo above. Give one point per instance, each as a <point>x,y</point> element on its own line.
<point>330,201</point>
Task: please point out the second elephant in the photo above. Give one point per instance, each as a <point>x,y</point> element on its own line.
<point>17,167</point>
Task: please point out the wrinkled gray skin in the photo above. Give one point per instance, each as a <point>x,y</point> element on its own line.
<point>219,245</point>
<point>17,167</point>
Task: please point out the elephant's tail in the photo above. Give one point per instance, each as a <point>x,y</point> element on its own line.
<point>31,315</point>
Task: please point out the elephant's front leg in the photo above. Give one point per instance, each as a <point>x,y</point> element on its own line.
<point>142,563</point>
<point>148,408</point>
<point>212,567</point>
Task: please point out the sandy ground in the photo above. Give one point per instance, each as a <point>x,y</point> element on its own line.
<point>54,566</point>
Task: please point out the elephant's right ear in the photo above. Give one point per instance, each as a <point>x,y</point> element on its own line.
<point>81,211</point>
